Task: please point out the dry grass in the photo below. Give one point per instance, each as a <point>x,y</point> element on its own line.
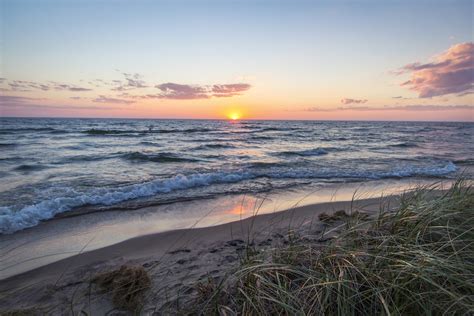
<point>127,286</point>
<point>417,260</point>
<point>340,216</point>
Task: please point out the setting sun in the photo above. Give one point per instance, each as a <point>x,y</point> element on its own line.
<point>233,116</point>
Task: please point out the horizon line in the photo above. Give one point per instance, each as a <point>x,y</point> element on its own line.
<point>224,119</point>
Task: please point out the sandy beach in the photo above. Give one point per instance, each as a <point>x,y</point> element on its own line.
<point>236,158</point>
<point>175,260</point>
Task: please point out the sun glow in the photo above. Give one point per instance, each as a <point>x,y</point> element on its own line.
<point>233,116</point>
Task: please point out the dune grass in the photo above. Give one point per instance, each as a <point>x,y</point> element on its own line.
<point>127,286</point>
<point>415,260</point>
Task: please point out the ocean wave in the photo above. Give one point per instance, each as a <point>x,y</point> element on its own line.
<point>147,143</point>
<point>86,158</point>
<point>467,161</point>
<point>131,132</point>
<point>186,130</point>
<point>429,171</point>
<point>404,145</point>
<point>278,129</point>
<point>104,132</point>
<point>261,137</point>
<point>329,139</point>
<point>11,159</point>
<point>308,152</point>
<point>31,215</point>
<point>157,157</point>
<point>29,168</point>
<point>214,146</point>
<point>271,129</point>
<point>7,145</point>
<point>265,164</point>
<point>33,129</point>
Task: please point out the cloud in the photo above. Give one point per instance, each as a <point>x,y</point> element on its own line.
<point>135,80</point>
<point>9,100</point>
<point>60,107</point>
<point>355,101</point>
<point>465,93</point>
<point>68,87</point>
<point>414,107</point>
<point>421,107</point>
<point>104,99</point>
<point>24,86</point>
<point>132,81</point>
<point>182,91</point>
<point>449,72</point>
<point>229,90</point>
<point>78,89</point>
<point>191,92</point>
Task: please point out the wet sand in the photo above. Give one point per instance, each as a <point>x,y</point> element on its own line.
<point>175,260</point>
<point>66,236</point>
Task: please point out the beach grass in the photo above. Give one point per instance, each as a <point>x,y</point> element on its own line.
<point>126,285</point>
<point>411,254</point>
<point>415,260</point>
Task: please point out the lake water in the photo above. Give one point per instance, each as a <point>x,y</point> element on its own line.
<point>54,166</point>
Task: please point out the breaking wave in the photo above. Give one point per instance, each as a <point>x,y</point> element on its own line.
<point>158,157</point>
<point>214,146</point>
<point>131,132</point>
<point>308,152</point>
<point>12,219</point>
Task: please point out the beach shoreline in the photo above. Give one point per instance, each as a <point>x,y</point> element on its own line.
<point>198,251</point>
<point>66,236</point>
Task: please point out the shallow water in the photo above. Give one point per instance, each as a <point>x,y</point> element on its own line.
<point>65,237</point>
<point>53,166</point>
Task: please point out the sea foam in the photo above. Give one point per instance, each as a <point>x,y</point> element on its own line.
<point>28,216</point>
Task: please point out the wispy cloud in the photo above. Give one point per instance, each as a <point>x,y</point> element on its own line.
<point>131,81</point>
<point>24,86</point>
<point>181,91</point>
<point>191,92</point>
<point>70,88</point>
<point>450,72</point>
<point>353,101</point>
<point>414,107</point>
<point>61,107</point>
<point>8,100</point>
<point>11,101</point>
<point>105,99</point>
<point>229,90</point>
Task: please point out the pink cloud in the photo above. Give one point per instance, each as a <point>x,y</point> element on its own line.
<point>229,90</point>
<point>181,91</point>
<point>190,92</point>
<point>450,72</point>
<point>413,107</point>
<point>105,99</point>
<point>353,101</point>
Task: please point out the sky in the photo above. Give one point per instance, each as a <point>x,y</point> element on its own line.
<point>260,59</point>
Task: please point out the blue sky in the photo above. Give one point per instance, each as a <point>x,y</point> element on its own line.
<point>294,54</point>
